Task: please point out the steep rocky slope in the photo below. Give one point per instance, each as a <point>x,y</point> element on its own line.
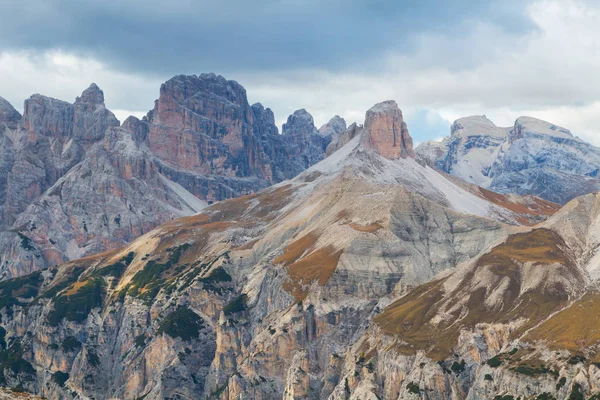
<point>531,157</point>
<point>517,321</point>
<point>73,182</point>
<point>264,295</point>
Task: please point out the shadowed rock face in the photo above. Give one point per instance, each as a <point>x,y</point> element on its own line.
<point>9,117</point>
<point>306,144</point>
<point>91,118</point>
<point>48,117</point>
<point>386,131</point>
<point>204,124</point>
<point>52,138</point>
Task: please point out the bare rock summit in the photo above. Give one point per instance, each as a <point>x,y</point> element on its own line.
<point>386,132</point>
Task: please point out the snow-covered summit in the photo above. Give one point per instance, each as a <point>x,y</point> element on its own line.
<point>537,126</point>
<point>531,157</point>
<point>477,125</point>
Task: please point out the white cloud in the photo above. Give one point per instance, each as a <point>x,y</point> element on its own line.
<point>122,115</point>
<point>64,76</point>
<point>549,73</point>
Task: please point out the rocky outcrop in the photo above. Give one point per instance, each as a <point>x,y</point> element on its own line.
<point>91,118</point>
<point>203,127</point>
<point>48,117</point>
<point>53,140</point>
<point>546,160</point>
<point>340,140</point>
<point>9,121</point>
<point>9,117</point>
<point>386,131</point>
<point>203,124</point>
<point>306,144</point>
<point>333,127</point>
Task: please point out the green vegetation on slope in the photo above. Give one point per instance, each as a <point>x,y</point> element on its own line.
<point>182,323</point>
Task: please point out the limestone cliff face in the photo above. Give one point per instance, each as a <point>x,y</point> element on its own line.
<point>386,131</point>
<point>91,118</point>
<point>204,125</point>
<point>341,139</point>
<point>52,139</point>
<point>305,142</point>
<point>9,117</point>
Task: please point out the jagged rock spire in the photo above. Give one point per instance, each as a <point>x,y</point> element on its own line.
<point>93,95</point>
<point>386,132</point>
<point>300,123</point>
<point>8,115</point>
<point>335,126</point>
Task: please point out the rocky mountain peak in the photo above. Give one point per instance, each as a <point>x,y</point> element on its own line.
<point>386,132</point>
<point>8,115</point>
<point>300,123</point>
<point>476,125</point>
<point>138,129</point>
<point>192,88</point>
<point>264,114</point>
<point>48,116</point>
<point>335,126</point>
<point>92,95</point>
<point>524,125</point>
<point>90,117</point>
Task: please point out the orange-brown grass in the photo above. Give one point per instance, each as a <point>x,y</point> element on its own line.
<point>248,245</point>
<point>537,208</point>
<point>575,328</point>
<point>195,230</point>
<point>304,269</point>
<point>371,228</point>
<point>297,248</point>
<point>410,317</point>
<point>541,246</point>
<point>318,266</point>
<point>75,287</point>
<point>273,200</point>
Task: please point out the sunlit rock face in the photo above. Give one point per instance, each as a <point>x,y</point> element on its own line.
<point>386,132</point>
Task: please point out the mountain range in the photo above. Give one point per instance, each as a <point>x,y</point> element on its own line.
<point>338,263</point>
<point>532,157</point>
<point>75,182</point>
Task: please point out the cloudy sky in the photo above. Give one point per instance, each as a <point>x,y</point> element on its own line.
<point>440,60</point>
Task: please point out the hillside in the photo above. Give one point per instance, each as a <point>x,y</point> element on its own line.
<point>265,294</point>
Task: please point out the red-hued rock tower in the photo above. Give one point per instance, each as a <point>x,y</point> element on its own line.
<point>386,132</point>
